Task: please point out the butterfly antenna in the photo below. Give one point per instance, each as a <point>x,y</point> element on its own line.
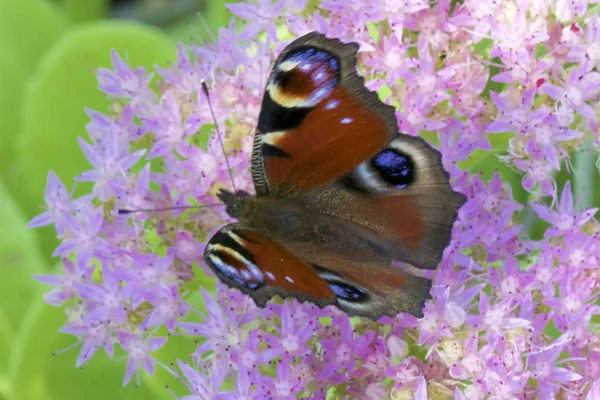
<point>205,89</point>
<point>125,211</point>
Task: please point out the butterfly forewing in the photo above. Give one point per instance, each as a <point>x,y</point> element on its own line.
<point>317,121</point>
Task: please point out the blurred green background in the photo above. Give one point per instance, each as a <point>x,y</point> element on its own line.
<point>49,51</point>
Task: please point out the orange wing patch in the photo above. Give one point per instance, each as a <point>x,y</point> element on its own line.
<point>283,269</point>
<point>336,136</point>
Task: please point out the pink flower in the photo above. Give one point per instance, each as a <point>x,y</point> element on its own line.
<point>576,91</point>
<point>139,350</point>
<point>565,218</point>
<point>126,82</point>
<point>59,204</point>
<point>263,14</point>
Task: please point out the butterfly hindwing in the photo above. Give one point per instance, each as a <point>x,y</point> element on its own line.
<point>403,194</point>
<point>261,268</point>
<point>361,286</point>
<point>317,121</point>
<point>372,287</point>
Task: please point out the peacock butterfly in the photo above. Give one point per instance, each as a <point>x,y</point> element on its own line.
<point>340,194</point>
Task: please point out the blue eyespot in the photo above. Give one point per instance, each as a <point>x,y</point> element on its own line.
<point>320,67</point>
<point>347,292</point>
<point>242,278</point>
<point>232,261</point>
<point>394,167</point>
<point>308,56</point>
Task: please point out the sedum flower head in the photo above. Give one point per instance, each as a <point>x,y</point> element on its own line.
<point>514,309</point>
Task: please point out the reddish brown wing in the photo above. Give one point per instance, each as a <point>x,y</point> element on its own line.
<point>372,287</point>
<point>363,286</point>
<point>317,121</point>
<point>262,269</point>
<point>411,202</point>
<point>404,195</point>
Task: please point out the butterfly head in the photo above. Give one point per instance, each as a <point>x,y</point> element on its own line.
<point>234,201</point>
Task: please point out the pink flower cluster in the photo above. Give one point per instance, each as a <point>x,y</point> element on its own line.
<point>513,315</point>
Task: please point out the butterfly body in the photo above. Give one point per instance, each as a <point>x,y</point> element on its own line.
<point>303,229</point>
<point>340,194</point>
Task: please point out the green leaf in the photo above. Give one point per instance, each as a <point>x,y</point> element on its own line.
<point>483,47</point>
<point>34,373</point>
<point>586,174</point>
<point>27,29</point>
<point>53,112</point>
<point>493,86</point>
<point>19,259</point>
<point>7,336</point>
<point>551,330</point>
<point>86,10</point>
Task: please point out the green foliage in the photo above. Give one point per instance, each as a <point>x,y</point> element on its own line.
<point>53,110</point>
<point>85,10</point>
<point>36,374</point>
<point>48,66</point>
<point>27,29</point>
<point>19,258</point>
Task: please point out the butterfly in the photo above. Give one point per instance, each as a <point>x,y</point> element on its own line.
<point>341,195</point>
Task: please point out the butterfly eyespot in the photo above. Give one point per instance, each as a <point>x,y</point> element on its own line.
<point>240,277</point>
<point>304,77</point>
<point>228,257</point>
<point>343,290</point>
<point>346,292</point>
<point>394,167</point>
<point>310,58</point>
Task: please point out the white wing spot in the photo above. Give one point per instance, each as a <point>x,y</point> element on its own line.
<point>331,104</point>
<point>272,137</point>
<point>270,276</point>
<point>246,275</point>
<point>288,65</point>
<point>235,238</point>
<point>346,120</point>
<point>217,261</point>
<point>319,93</point>
<point>290,280</point>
